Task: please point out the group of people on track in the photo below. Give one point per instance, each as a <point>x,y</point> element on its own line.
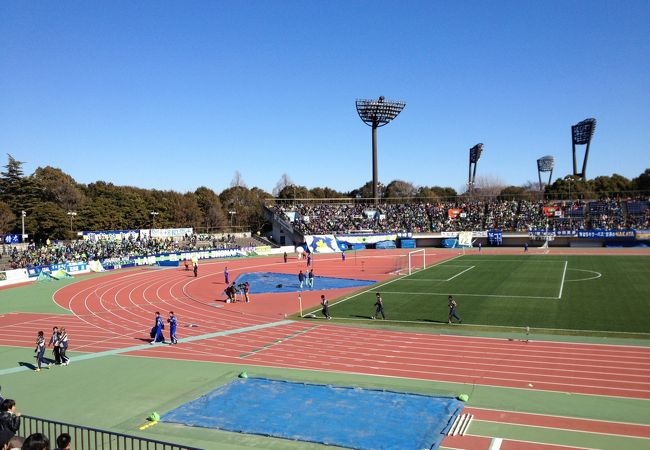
<point>158,327</point>
<point>59,344</point>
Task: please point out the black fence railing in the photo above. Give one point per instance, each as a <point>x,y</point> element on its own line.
<point>88,438</point>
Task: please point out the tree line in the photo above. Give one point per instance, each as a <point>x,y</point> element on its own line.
<point>56,206</point>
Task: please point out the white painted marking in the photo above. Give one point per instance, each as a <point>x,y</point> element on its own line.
<point>598,275</point>
<point>563,277</point>
<point>377,287</point>
<point>467,295</point>
<point>495,444</point>
<point>460,273</point>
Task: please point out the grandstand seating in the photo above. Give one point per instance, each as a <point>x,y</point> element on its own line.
<point>465,215</point>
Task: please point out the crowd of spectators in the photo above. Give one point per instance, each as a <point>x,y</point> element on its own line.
<point>10,422</point>
<point>507,215</point>
<point>59,252</point>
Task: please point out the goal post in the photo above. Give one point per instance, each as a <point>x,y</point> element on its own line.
<point>417,260</point>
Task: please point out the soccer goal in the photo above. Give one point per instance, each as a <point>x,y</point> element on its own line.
<point>417,260</point>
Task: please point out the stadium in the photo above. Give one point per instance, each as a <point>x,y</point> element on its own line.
<point>147,303</point>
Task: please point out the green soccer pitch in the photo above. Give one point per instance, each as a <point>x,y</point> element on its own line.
<point>571,293</point>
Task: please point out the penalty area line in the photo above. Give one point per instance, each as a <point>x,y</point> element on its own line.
<point>563,277</point>
<point>374,288</point>
<point>460,273</point>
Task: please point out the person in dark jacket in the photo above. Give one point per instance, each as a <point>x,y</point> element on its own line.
<point>9,417</point>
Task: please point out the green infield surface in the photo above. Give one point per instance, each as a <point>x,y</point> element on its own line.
<point>575,293</point>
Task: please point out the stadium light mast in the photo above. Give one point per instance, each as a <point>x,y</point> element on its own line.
<point>377,113</point>
<point>72,215</point>
<point>474,156</point>
<point>545,164</point>
<point>581,134</point>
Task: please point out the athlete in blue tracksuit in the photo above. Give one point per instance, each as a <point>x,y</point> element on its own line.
<point>156,331</point>
<point>172,328</point>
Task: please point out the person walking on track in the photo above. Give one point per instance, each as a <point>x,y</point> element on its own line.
<point>451,304</point>
<point>379,307</point>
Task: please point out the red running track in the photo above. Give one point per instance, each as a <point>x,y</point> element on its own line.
<point>116,311</point>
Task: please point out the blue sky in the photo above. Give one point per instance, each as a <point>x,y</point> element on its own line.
<point>179,94</point>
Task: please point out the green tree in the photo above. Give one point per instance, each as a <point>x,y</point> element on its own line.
<point>400,189</point>
<point>213,217</point>
<point>47,221</point>
<point>58,187</point>
<point>246,206</point>
<point>18,191</point>
<point>642,182</point>
<point>7,219</point>
<point>606,186</point>
<point>516,193</point>
<point>319,192</point>
<point>293,191</point>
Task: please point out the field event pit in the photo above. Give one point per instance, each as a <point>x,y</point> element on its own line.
<point>272,282</point>
<point>332,415</point>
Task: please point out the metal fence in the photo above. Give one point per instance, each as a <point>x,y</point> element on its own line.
<point>88,438</point>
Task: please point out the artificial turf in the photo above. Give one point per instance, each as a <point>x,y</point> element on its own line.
<point>593,293</point>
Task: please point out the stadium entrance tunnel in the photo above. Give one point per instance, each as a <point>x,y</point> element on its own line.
<point>271,282</point>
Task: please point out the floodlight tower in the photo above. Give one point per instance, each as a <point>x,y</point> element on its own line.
<point>377,113</point>
<point>545,164</point>
<point>474,156</point>
<point>581,134</point>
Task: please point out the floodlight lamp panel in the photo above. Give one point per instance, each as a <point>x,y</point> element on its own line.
<point>475,153</point>
<point>546,163</point>
<point>379,112</point>
<point>582,132</point>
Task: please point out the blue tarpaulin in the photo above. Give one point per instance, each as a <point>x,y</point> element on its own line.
<point>333,415</point>
<point>269,282</point>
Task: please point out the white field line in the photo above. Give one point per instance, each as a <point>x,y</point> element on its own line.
<point>516,260</point>
<point>468,295</point>
<point>375,288</point>
<point>460,273</point>
<point>598,275</point>
<point>563,277</point>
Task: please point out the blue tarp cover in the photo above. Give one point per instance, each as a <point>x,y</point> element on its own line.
<point>343,416</point>
<point>269,282</point>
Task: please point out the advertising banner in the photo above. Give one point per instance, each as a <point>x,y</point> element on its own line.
<point>453,234</point>
<point>9,239</point>
<point>642,235</point>
<point>366,238</point>
<point>606,234</point>
<point>111,235</point>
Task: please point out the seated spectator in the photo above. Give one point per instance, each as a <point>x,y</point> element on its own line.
<point>63,441</point>
<point>5,438</point>
<point>16,443</point>
<point>36,441</point>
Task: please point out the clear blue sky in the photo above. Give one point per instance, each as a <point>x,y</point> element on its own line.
<point>179,94</point>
